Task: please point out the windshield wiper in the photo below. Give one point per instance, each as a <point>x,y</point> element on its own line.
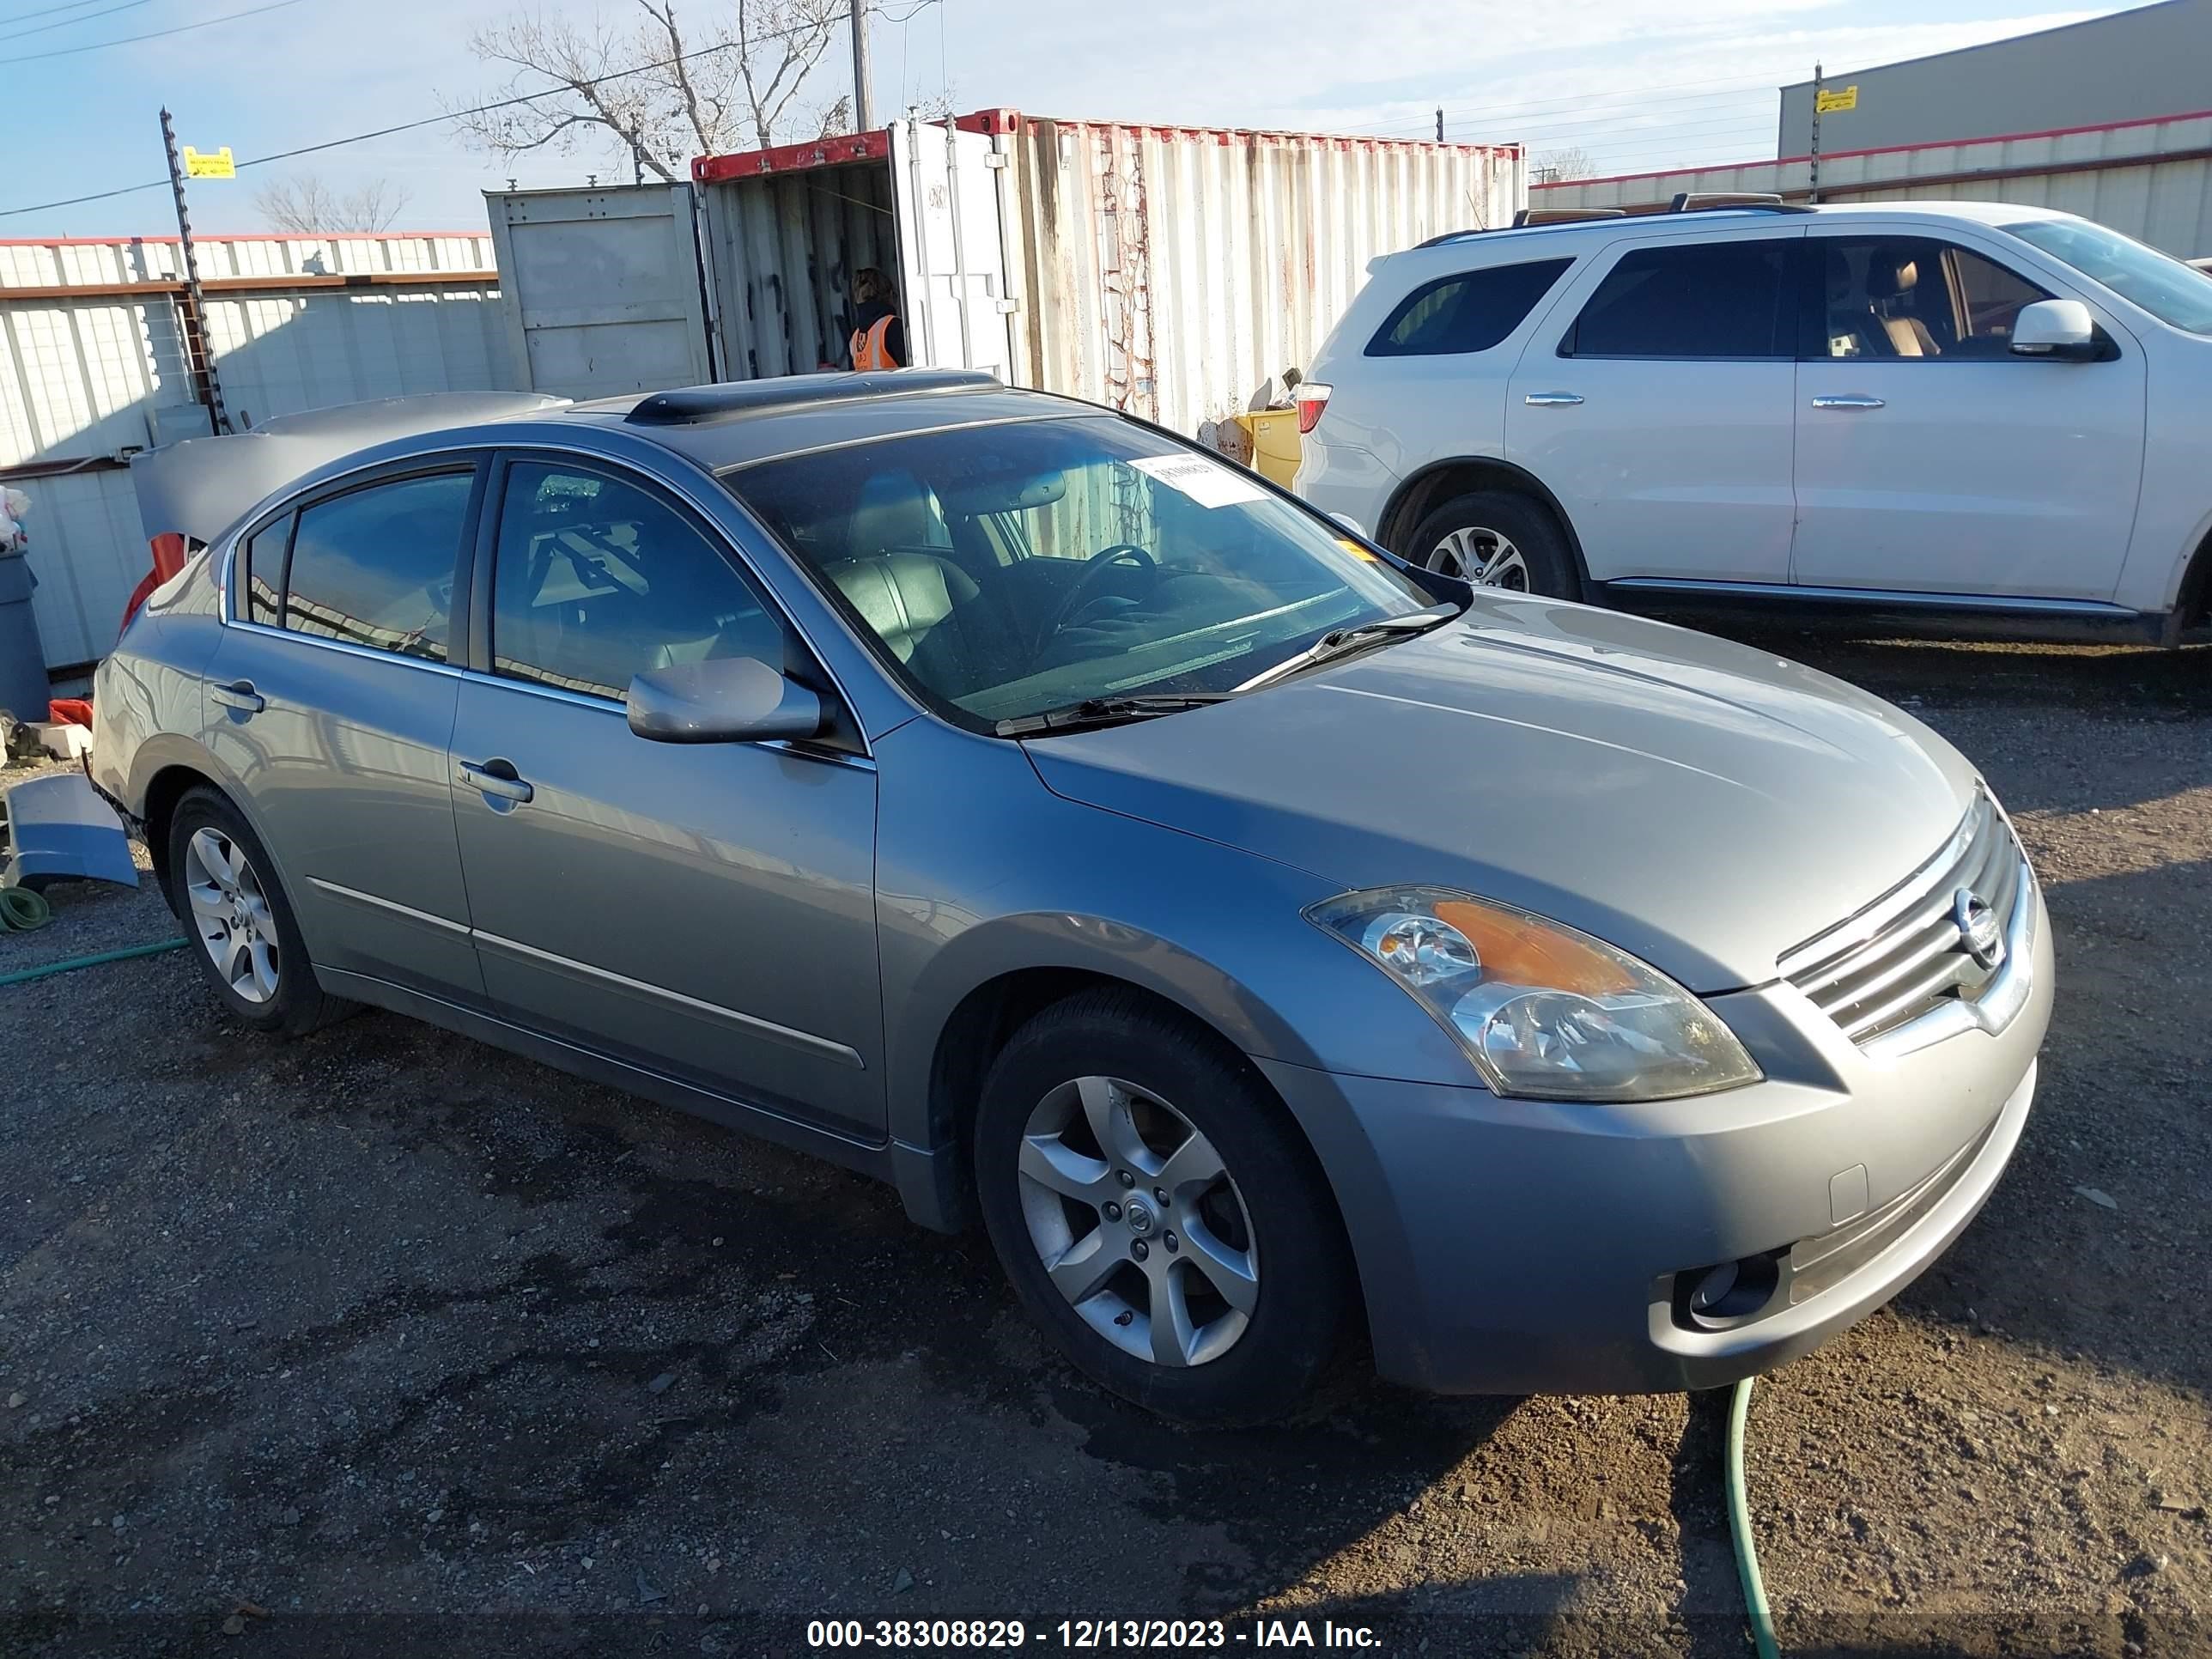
<point>1107,711</point>
<point>1343,642</point>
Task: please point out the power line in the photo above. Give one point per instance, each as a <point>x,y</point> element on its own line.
<point>67,23</point>
<point>1747,84</point>
<point>154,35</point>
<point>48,11</point>
<point>409,126</point>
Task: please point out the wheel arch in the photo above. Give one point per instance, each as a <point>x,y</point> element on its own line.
<point>1424,491</point>
<point>956,1025</point>
<point>2192,598</point>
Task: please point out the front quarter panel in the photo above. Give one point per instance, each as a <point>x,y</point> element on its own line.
<point>982,872</point>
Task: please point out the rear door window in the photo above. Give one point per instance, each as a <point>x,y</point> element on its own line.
<point>1705,300</point>
<point>1468,310</point>
<point>375,566</point>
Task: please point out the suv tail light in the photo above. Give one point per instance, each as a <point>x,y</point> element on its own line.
<point>1312,399</point>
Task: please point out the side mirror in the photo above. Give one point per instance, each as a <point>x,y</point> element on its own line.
<point>2061,329</point>
<point>722,700</point>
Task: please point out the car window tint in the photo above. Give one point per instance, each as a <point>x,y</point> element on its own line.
<point>597,580</point>
<point>262,557</point>
<point>375,566</point>
<point>1470,311</point>
<point>1712,299</point>
<point>1915,298</point>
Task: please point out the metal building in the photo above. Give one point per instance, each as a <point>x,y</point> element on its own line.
<point>2152,60</point>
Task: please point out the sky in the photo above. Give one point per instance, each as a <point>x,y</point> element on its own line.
<point>1631,84</point>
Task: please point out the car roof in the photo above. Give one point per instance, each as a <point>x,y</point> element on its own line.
<point>1735,218</point>
<point>200,487</point>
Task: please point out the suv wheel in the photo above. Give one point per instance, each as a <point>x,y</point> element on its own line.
<point>1157,1215</point>
<point>1496,538</point>
<point>225,891</point>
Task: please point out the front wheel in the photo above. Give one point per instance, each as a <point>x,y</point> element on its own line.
<point>1158,1213</point>
<point>1497,538</point>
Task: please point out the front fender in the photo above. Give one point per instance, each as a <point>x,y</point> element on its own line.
<point>982,871</point>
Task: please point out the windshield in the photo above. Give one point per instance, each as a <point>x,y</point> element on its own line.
<point>2164,287</point>
<point>1009,569</point>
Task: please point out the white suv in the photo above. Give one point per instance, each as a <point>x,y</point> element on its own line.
<point>1963,411</point>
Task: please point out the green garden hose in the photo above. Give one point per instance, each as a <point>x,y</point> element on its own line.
<point>23,909</point>
<point>1739,1511</point>
<point>72,964</point>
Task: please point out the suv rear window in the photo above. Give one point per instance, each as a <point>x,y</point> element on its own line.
<point>1706,300</point>
<point>1468,310</point>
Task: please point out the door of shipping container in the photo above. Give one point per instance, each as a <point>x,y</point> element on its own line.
<point>952,256</point>
<point>601,289</point>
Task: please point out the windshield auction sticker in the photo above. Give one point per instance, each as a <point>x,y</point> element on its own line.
<point>1209,482</point>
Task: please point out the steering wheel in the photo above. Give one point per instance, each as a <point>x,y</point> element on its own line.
<point>1095,569</point>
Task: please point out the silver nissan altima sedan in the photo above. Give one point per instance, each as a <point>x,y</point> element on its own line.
<point>1267,940</point>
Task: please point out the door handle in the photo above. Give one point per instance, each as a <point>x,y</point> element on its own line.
<point>1552,399</point>
<point>240,694</point>
<point>506,785</point>
<point>1849,400</point>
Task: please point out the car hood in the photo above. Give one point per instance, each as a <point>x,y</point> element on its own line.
<point>1700,804</point>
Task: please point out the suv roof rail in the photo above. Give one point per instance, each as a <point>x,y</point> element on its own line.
<point>692,405</point>
<point>1699,201</point>
<point>1565,215</point>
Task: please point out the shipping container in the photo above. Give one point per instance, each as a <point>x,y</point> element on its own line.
<point>2151,179</point>
<point>1173,272</point>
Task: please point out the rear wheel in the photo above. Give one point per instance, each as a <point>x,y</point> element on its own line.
<point>1498,539</point>
<point>1157,1213</point>
<point>224,889</point>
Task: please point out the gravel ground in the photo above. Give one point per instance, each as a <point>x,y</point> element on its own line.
<point>384,1339</point>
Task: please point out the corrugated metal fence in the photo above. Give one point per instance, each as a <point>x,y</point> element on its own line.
<point>2150,179</point>
<point>94,366</point>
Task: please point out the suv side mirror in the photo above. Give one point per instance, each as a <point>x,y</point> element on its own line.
<point>2061,329</point>
<point>723,700</point>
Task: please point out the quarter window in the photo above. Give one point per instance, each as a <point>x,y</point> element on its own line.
<point>1471,311</point>
<point>262,556</point>
<point>1709,299</point>
<point>597,580</point>
<point>375,566</point>
<point>1915,298</point>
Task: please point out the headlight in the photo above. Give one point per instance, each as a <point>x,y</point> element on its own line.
<point>1544,1012</point>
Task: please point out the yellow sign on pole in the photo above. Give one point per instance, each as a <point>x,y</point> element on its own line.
<point>1830,100</point>
<point>217,166</point>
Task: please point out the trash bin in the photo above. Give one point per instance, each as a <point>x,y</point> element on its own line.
<point>1274,442</point>
<point>24,688</point>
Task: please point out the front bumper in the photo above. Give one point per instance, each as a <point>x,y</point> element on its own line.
<point>1516,1247</point>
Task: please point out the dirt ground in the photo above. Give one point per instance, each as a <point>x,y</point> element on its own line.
<point>387,1341</point>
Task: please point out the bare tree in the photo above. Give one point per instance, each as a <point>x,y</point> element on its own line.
<point>652,92</point>
<point>1557,167</point>
<point>304,204</point>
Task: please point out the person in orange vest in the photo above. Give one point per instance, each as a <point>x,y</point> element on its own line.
<point>878,336</point>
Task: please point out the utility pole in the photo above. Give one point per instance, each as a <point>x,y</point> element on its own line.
<point>199,356</point>
<point>1813,178</point>
<point>863,97</point>
<point>1440,124</point>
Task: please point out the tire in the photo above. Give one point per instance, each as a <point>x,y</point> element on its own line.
<point>1191,1105</point>
<point>1457,536</point>
<point>270,984</point>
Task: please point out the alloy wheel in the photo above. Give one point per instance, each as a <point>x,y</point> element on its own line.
<point>1481,555</point>
<point>1138,1222</point>
<point>230,914</point>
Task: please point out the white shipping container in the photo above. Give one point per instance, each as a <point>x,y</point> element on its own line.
<point>1173,272</point>
<point>2151,179</point>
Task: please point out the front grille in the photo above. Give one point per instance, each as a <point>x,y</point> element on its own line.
<point>1904,954</point>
